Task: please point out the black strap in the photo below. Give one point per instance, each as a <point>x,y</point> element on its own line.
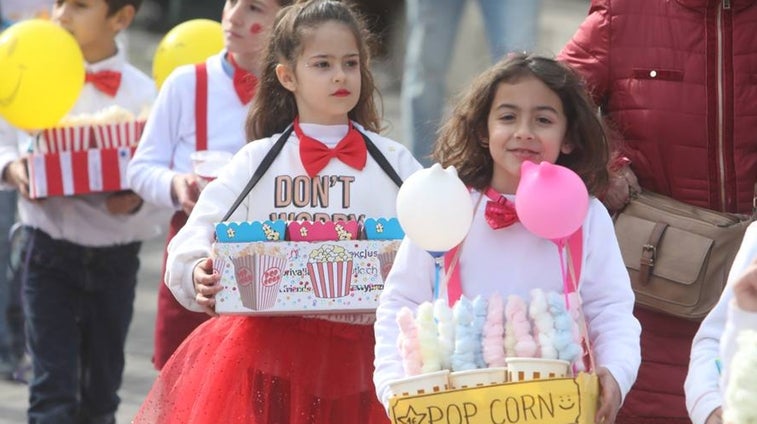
<point>381,159</point>
<point>262,168</point>
<point>276,149</point>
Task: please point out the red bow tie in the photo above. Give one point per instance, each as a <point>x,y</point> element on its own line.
<point>105,81</point>
<point>245,83</point>
<point>500,212</point>
<point>315,155</point>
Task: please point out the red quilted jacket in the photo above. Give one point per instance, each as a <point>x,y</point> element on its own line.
<point>678,79</point>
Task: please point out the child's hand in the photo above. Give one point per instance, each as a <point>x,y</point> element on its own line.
<point>207,283</point>
<point>609,397</point>
<point>123,202</point>
<point>185,191</point>
<point>745,289</point>
<point>16,174</point>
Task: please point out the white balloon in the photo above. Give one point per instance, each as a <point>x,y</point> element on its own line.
<point>434,208</point>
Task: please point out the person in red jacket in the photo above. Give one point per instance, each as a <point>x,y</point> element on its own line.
<point>677,79</point>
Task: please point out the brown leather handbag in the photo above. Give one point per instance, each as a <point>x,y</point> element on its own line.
<point>677,255</point>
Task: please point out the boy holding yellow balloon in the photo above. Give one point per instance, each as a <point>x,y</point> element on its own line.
<point>81,260</point>
<point>200,107</point>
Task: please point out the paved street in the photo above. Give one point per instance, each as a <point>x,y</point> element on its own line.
<point>558,21</point>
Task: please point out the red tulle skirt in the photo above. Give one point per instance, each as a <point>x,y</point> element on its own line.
<point>268,370</point>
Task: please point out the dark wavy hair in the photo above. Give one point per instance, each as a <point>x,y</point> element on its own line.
<point>274,107</point>
<point>459,139</point>
<point>115,5</point>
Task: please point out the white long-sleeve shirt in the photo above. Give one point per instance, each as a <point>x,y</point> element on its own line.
<point>703,381</point>
<point>170,137</point>
<point>84,219</point>
<point>285,192</point>
<point>514,261</point>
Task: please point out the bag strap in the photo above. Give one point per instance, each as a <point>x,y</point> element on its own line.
<point>649,252</point>
<point>276,149</point>
<point>201,107</point>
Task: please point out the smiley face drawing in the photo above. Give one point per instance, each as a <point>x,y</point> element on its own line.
<point>566,402</point>
<point>189,42</point>
<point>41,74</point>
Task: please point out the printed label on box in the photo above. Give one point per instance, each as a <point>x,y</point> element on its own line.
<point>295,277</point>
<point>554,401</point>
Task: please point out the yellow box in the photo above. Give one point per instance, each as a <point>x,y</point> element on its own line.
<point>553,401</point>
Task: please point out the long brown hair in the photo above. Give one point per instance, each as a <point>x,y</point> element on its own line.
<point>459,143</point>
<point>274,106</point>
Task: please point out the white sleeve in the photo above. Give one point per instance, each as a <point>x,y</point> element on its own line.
<point>149,173</point>
<point>737,321</point>
<point>8,149</point>
<point>702,388</point>
<point>194,241</point>
<point>412,265</point>
<point>608,301</point>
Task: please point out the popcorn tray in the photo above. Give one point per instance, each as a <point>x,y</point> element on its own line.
<point>549,401</point>
<point>301,277</point>
<point>76,172</point>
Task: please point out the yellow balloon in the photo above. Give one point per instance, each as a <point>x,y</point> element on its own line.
<point>189,42</point>
<point>41,74</point>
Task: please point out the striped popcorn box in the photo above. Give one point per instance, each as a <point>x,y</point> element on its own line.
<point>386,260</point>
<point>71,173</point>
<point>258,278</point>
<point>421,384</point>
<point>330,271</point>
<point>120,134</point>
<point>65,139</point>
<point>527,369</point>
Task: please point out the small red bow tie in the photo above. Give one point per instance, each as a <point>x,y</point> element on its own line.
<point>315,155</point>
<point>105,81</point>
<point>245,83</point>
<point>500,212</point>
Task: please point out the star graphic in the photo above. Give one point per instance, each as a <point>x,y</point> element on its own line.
<point>412,417</point>
<point>230,233</point>
<point>379,228</point>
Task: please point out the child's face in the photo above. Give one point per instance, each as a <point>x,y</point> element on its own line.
<point>526,122</point>
<point>247,23</point>
<point>326,79</point>
<point>90,25</point>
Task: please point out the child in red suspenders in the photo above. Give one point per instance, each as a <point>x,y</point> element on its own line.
<point>199,107</point>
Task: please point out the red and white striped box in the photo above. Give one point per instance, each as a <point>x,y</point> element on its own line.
<point>65,139</point>
<point>83,137</point>
<point>122,134</point>
<point>71,173</point>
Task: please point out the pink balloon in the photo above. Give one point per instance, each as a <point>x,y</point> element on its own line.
<point>551,200</point>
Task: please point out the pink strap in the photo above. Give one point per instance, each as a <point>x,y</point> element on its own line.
<point>454,286</point>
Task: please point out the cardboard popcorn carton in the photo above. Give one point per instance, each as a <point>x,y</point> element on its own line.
<point>70,173</point>
<point>550,401</point>
<point>84,158</point>
<point>296,277</point>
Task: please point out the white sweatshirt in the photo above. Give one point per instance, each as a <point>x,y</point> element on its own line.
<point>514,261</point>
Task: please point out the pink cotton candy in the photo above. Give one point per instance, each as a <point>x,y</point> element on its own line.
<point>519,341</point>
<point>494,329</point>
<point>408,342</point>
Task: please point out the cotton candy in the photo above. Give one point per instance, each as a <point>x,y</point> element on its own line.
<point>463,357</point>
<point>408,342</point>
<point>543,324</point>
<point>446,327</point>
<point>428,336</point>
<point>493,332</point>
<point>519,342</point>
